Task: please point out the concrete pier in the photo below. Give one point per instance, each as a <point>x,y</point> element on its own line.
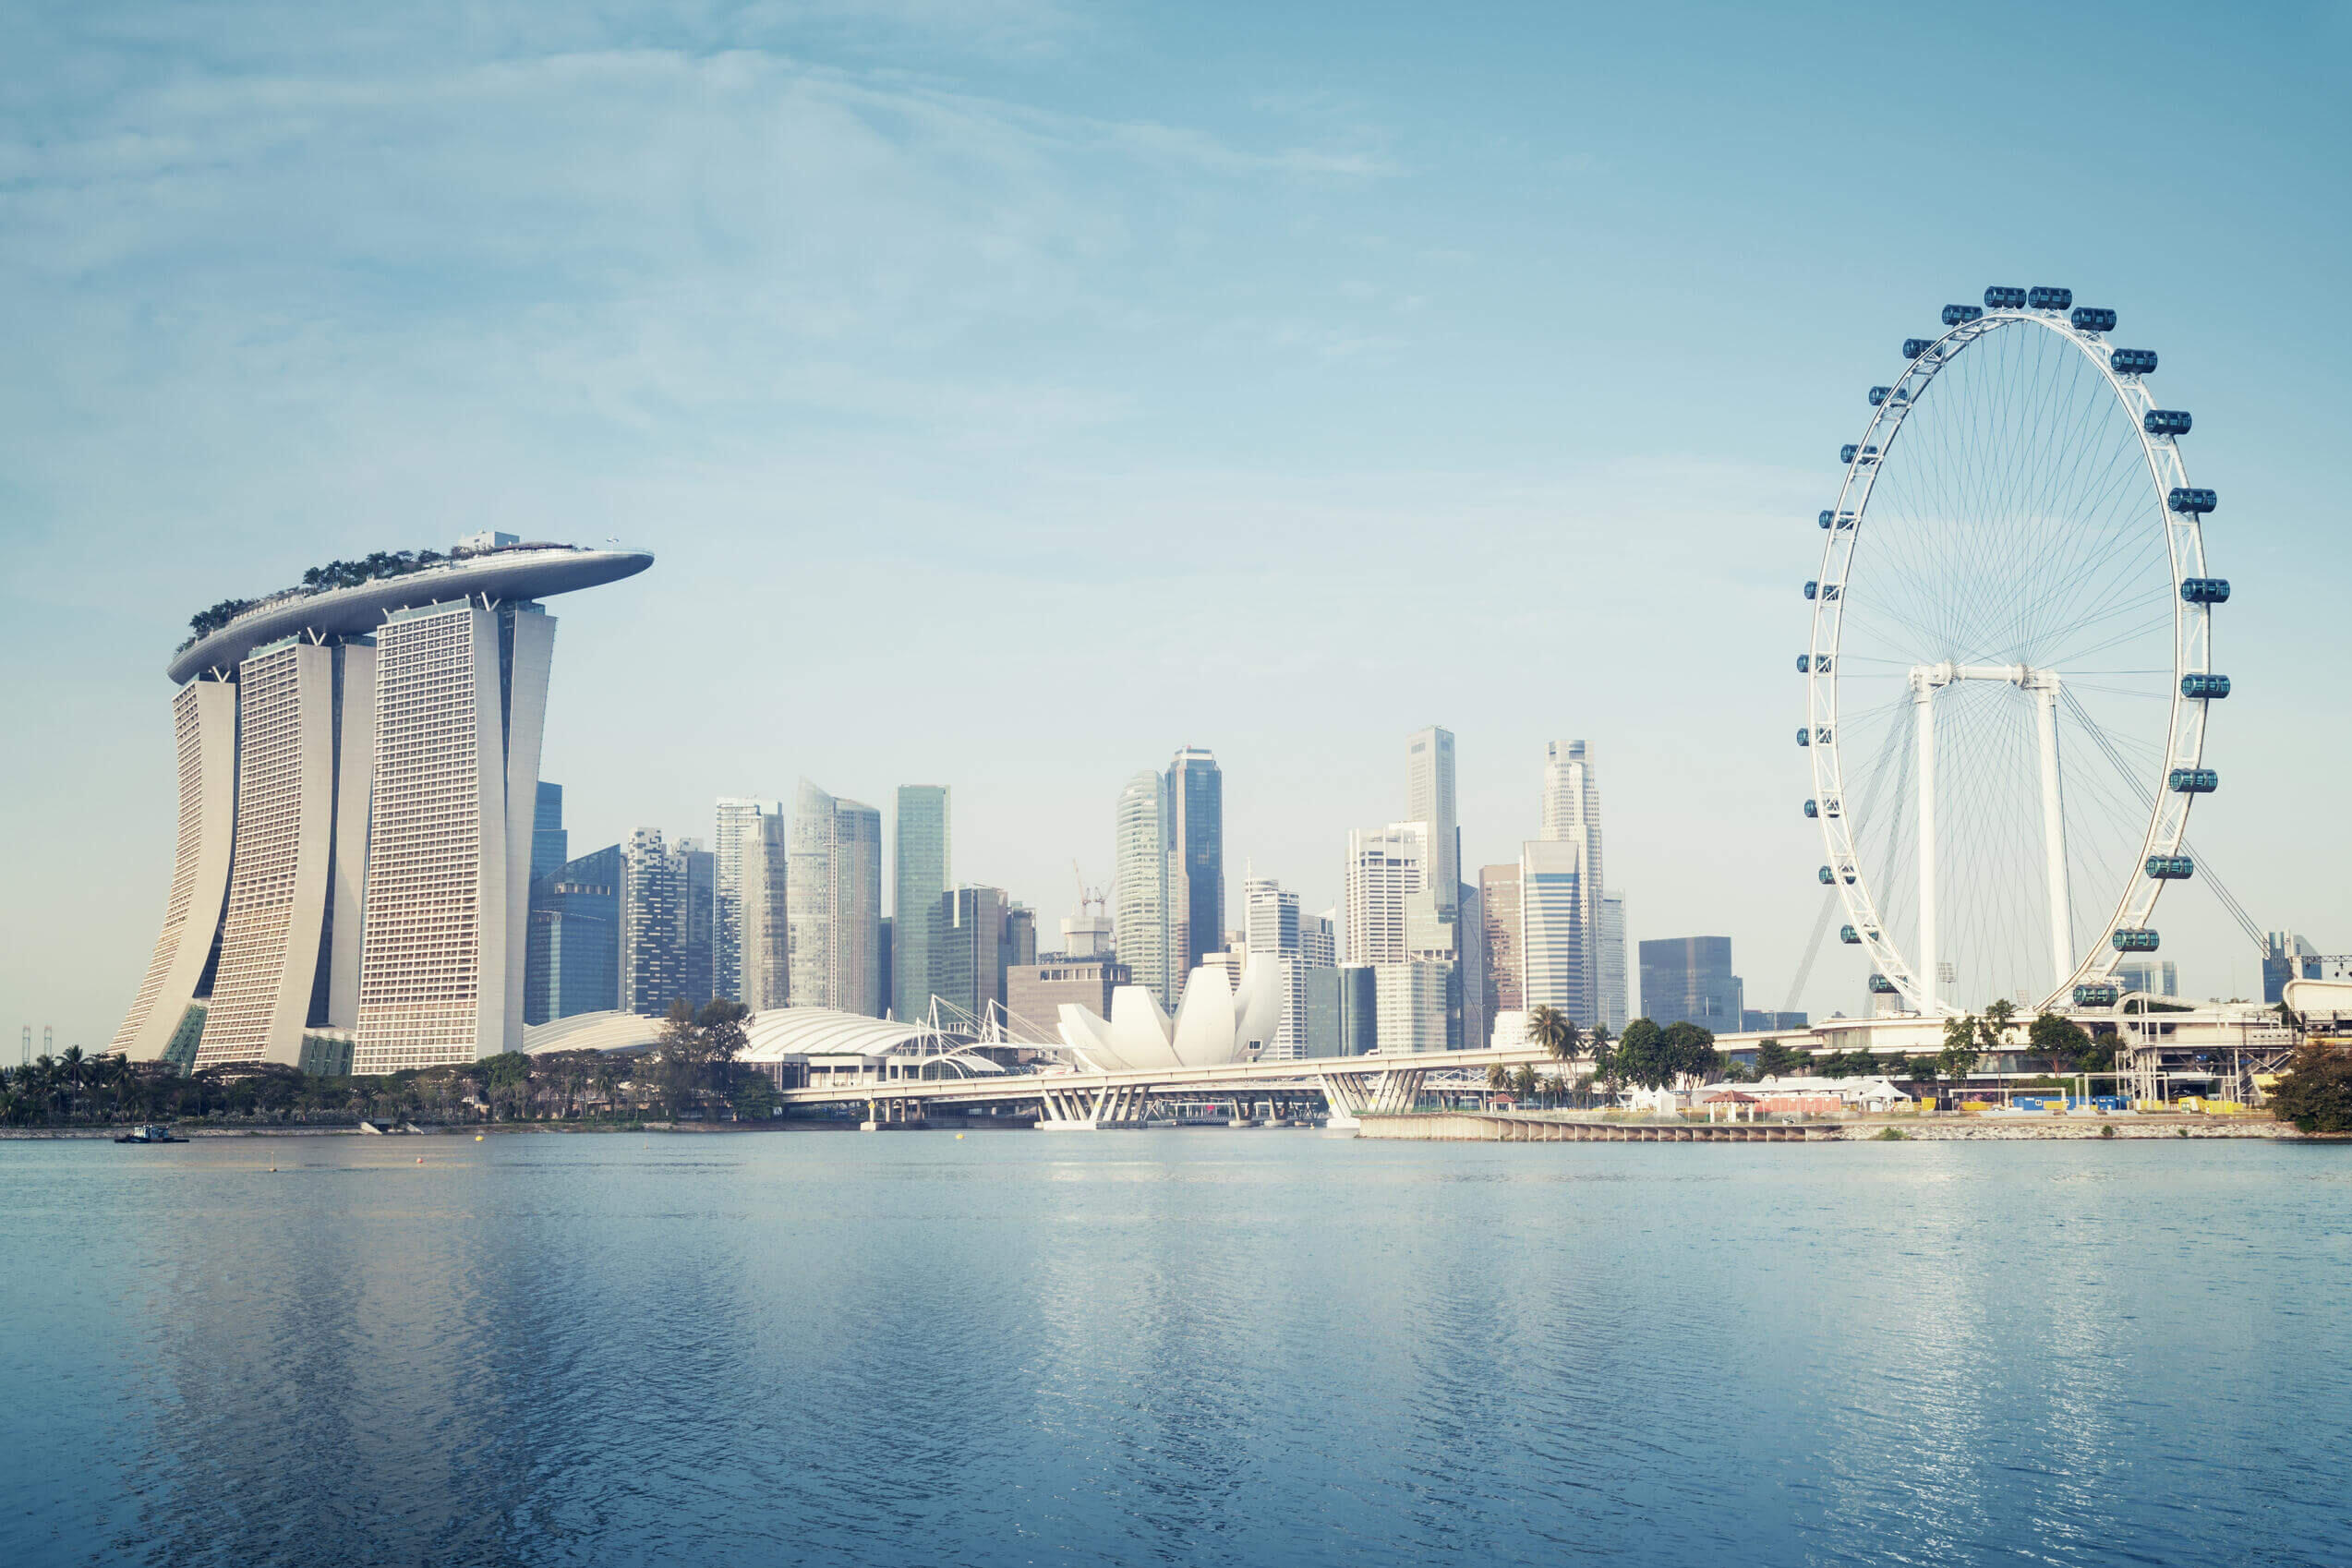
<point>1501,1127</point>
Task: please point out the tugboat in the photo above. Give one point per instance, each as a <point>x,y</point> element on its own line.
<point>151,1133</point>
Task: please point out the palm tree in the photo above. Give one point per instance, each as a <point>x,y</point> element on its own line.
<point>1498,1078</point>
<point>1555,1032</point>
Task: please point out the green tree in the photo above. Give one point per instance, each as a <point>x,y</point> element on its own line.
<point>1992,1029</point>
<point>1774,1060</point>
<point>1689,1053</point>
<point>1522,1084</point>
<point>2058,1042</point>
<point>2315,1092</point>
<point>1641,1057</point>
<point>754,1099</point>
<point>1555,1032</point>
<point>1958,1057</point>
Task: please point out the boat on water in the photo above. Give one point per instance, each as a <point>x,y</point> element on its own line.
<point>151,1133</point>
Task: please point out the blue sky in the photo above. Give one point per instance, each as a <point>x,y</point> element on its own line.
<point>1016,393</point>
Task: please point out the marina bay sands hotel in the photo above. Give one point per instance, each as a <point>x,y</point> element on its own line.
<point>358,766</point>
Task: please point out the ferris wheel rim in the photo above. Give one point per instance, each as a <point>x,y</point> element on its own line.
<point>2167,824</point>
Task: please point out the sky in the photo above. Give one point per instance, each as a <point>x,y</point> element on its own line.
<point>1013,393</point>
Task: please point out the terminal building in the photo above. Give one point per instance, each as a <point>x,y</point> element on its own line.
<point>357,764</point>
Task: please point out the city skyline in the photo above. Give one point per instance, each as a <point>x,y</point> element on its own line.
<point>1451,349</point>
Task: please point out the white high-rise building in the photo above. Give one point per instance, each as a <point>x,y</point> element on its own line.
<point>835,901</point>
<point>300,854</point>
<point>1384,868</point>
<point>1274,934</point>
<point>1319,940</point>
<point>357,756</point>
<point>1554,945</point>
<point>1572,815</point>
<point>1140,890</point>
<point>1409,1006</point>
<point>1429,799</point>
<point>461,693</point>
<point>735,828</point>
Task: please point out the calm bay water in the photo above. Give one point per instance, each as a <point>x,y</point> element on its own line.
<point>1175,1347</point>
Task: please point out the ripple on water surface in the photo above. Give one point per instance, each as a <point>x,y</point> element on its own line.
<point>1212,1348</point>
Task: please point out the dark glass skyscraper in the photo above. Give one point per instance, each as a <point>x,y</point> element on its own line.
<point>550,845</point>
<point>1689,980</point>
<point>1196,830</point>
<point>919,875</point>
<point>573,945</point>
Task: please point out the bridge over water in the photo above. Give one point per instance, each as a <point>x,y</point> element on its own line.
<point>1349,1086</point>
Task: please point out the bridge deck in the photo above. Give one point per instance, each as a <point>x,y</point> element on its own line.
<point>1170,1081</point>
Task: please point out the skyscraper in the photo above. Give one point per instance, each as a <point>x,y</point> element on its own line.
<point>1385,868</point>
<point>1195,800</point>
<point>277,972</point>
<point>1139,855</point>
<point>1272,933</point>
<point>970,948</point>
<point>376,881</point>
<point>461,693</point>
<point>1499,926</point>
<point>922,865</point>
<point>1429,798</point>
<point>763,973</point>
<point>1555,948</point>
<point>698,921</point>
<point>550,845</point>
<point>1572,816</point>
<point>653,924</point>
<point>835,902</point>
<point>1689,980</point>
<point>573,962</point>
<point>735,829</point>
<point>1615,1011</point>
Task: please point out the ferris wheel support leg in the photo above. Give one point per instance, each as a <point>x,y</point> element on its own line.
<point>1923,696</point>
<point>2045,713</point>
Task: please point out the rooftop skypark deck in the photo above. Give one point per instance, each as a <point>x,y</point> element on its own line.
<point>505,570</point>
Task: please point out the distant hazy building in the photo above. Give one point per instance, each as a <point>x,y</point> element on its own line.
<point>835,900</point>
<point>1410,999</point>
<point>969,940</point>
<point>2148,977</point>
<point>653,923</point>
<point>1087,935</point>
<point>920,872</point>
<point>698,922</point>
<point>1195,814</point>
<point>1615,1008</point>
<point>2287,956</point>
<point>1689,980</point>
<point>573,962</point>
<point>1034,993</point>
<point>1429,799</point>
<point>1755,1022</point>
<point>1140,895</point>
<point>1384,868</point>
<point>1499,925</point>
<point>764,938</point>
<point>550,845</point>
<point>1554,948</point>
<point>1270,933</point>
<point>735,829</point>
<point>1572,816</point>
<point>1343,1010</point>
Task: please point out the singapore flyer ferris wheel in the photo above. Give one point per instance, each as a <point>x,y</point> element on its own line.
<point>2011,668</point>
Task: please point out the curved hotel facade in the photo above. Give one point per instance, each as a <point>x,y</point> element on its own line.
<point>358,768</point>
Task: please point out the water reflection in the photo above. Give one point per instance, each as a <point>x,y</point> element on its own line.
<point>1172,1347</point>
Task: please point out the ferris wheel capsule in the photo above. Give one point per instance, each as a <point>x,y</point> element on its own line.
<point>2091,319</point>
<point>1998,298</point>
<point>1961,314</point>
<point>2048,298</point>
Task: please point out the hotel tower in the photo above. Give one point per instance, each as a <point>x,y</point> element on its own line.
<point>358,773</point>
